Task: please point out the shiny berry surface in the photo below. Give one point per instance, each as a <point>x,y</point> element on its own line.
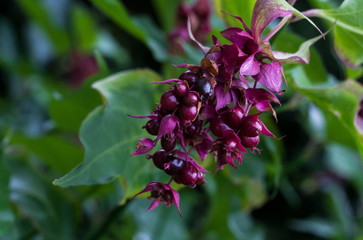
<point>160,158</point>
<point>175,166</point>
<point>249,142</point>
<point>190,99</point>
<point>169,101</point>
<point>152,126</point>
<point>233,117</point>
<point>217,126</point>
<point>251,127</point>
<point>187,176</point>
<point>188,113</point>
<point>204,87</point>
<point>180,89</point>
<point>188,76</point>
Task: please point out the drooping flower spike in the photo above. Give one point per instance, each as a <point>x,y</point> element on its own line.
<point>208,109</point>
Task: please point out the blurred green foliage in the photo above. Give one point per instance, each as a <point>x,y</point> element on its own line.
<point>72,70</point>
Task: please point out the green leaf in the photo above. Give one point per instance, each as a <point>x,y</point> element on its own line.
<point>239,8</point>
<point>348,33</point>
<point>38,13</point>
<point>289,42</point>
<point>109,135</point>
<point>69,109</point>
<point>340,101</point>
<point>84,28</point>
<point>60,155</point>
<point>6,214</point>
<point>117,12</point>
<point>144,30</point>
<point>166,13</point>
<point>49,209</point>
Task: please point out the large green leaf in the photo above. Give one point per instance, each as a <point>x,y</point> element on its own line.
<point>57,153</point>
<point>239,8</point>
<point>49,209</point>
<point>348,33</point>
<point>341,102</point>
<point>109,135</point>
<point>145,31</point>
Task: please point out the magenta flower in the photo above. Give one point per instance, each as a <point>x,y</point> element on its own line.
<point>162,193</point>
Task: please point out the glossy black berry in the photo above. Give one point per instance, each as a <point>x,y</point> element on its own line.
<point>204,87</point>
<point>249,142</point>
<point>188,76</point>
<point>251,126</point>
<point>152,126</point>
<point>217,126</point>
<point>169,101</point>
<point>175,166</point>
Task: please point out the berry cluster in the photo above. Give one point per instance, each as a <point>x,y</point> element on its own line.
<point>208,107</point>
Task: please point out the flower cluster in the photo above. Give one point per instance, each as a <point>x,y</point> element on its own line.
<point>208,107</point>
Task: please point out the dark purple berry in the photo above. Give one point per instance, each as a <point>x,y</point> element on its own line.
<point>251,126</point>
<point>188,113</point>
<point>249,142</point>
<point>191,130</point>
<point>168,143</point>
<point>217,126</point>
<point>160,158</point>
<point>180,89</point>
<point>188,76</point>
<point>152,126</point>
<point>169,101</point>
<point>187,176</point>
<point>204,87</point>
<point>175,166</point>
<point>191,98</point>
<point>233,117</point>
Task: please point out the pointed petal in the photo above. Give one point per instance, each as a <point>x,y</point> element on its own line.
<point>222,98</point>
<point>144,145</point>
<point>148,188</point>
<point>153,205</point>
<point>168,125</point>
<point>302,56</point>
<point>176,199</point>
<point>237,36</point>
<point>249,67</point>
<point>256,95</point>
<point>264,12</point>
<point>168,81</point>
<point>265,130</point>
<point>270,76</point>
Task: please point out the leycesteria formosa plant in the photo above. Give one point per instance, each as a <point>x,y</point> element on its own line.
<point>208,107</point>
